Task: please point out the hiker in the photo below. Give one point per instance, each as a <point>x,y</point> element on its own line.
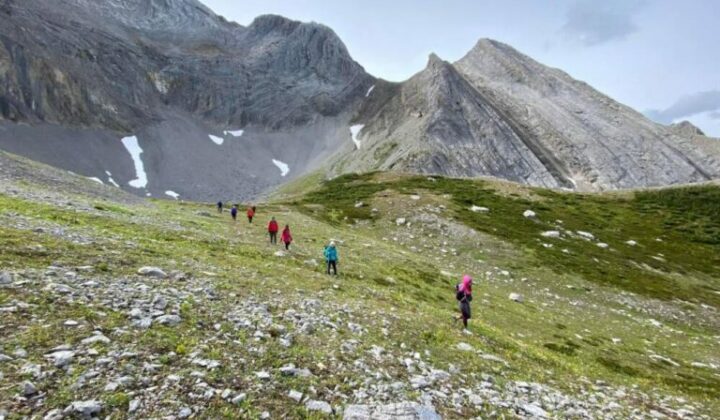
<point>331,257</point>
<point>250,214</point>
<point>233,212</point>
<point>463,293</point>
<point>273,230</point>
<point>286,237</point>
<point>219,206</point>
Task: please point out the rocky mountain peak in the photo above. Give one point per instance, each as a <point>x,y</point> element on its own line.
<point>266,24</point>
<point>687,129</point>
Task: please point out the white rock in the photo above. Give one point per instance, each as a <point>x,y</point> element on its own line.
<point>479,209</point>
<point>71,323</point>
<point>551,234</point>
<point>185,412</point>
<point>402,410</point>
<point>239,398</point>
<point>586,235</point>
<point>464,347</point>
<point>6,278</point>
<point>279,253</point>
<point>400,221</point>
<point>134,405</point>
<point>86,409</point>
<point>631,242</point>
<point>516,297</point>
<point>61,358</point>
<point>602,245</point>
<point>295,395</point>
<point>152,272</point>
<point>534,411</point>
<point>97,338</point>
<point>169,320</point>
<point>529,214</point>
<point>262,375</point>
<point>321,406</point>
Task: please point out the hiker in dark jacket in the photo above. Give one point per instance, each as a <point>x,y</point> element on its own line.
<point>273,230</point>
<point>233,212</point>
<point>331,257</point>
<point>463,293</point>
<point>219,206</point>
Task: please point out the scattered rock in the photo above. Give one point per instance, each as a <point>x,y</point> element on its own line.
<point>152,272</point>
<point>28,389</point>
<point>61,358</point>
<point>631,242</point>
<point>321,406</point>
<point>85,409</point>
<point>529,214</point>
<point>5,278</point>
<point>551,234</point>
<point>239,398</point>
<point>479,209</point>
<point>534,410</point>
<point>516,297</point>
<point>295,395</point>
<point>169,320</point>
<point>400,221</point>
<point>586,235</point>
<point>464,347</point>
<point>403,410</point>
<point>185,412</point>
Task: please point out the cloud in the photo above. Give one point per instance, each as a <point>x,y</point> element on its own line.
<point>593,22</point>
<point>688,105</point>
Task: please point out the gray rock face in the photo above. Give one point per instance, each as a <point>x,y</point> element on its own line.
<point>398,411</point>
<point>87,73</point>
<point>497,112</point>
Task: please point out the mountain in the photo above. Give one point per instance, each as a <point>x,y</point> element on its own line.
<point>80,75</point>
<point>498,112</point>
<point>165,97</point>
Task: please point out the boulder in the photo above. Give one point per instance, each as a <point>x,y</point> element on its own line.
<point>149,271</point>
<point>516,297</point>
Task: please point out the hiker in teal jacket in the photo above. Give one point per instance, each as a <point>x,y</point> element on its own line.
<point>331,257</point>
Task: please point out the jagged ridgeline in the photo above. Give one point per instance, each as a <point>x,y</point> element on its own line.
<point>212,109</point>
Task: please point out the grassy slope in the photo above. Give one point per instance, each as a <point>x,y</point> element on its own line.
<point>577,301</point>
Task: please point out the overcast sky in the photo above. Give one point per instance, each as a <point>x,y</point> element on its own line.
<point>661,57</point>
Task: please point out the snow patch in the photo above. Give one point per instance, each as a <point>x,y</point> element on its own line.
<point>110,179</point>
<point>354,132</point>
<point>284,168</point>
<point>98,180</point>
<point>217,140</point>
<point>370,91</point>
<point>133,147</point>
<point>234,133</point>
<point>172,194</point>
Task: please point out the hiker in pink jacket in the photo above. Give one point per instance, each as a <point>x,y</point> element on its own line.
<point>286,237</point>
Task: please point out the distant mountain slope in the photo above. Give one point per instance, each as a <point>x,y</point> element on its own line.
<point>497,112</point>
<point>78,76</point>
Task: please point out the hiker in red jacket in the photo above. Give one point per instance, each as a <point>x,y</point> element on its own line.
<point>286,237</point>
<point>273,230</point>
<point>250,214</point>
